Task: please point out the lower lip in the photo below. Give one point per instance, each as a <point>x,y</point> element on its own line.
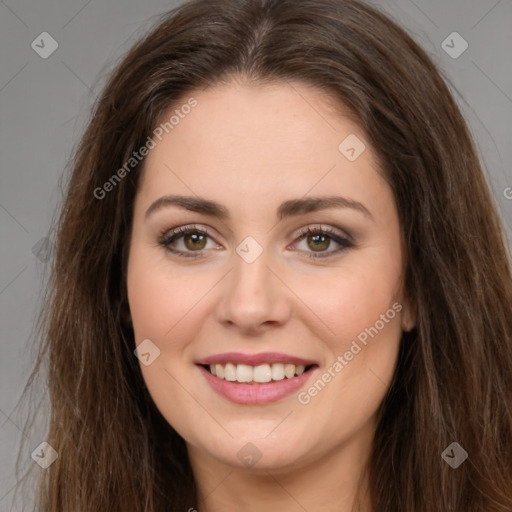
<point>255,394</point>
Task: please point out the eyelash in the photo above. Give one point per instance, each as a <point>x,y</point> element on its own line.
<point>168,238</point>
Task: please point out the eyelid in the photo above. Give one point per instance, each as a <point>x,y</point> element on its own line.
<point>324,228</point>
<point>171,235</point>
<point>297,234</point>
<point>338,236</point>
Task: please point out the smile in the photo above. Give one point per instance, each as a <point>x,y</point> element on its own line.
<point>260,374</point>
<point>256,379</point>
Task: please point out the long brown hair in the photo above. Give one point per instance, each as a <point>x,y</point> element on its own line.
<point>453,380</point>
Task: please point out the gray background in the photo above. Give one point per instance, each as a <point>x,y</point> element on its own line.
<point>45,103</point>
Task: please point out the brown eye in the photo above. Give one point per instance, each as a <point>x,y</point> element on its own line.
<point>194,241</point>
<point>318,242</point>
<point>188,241</point>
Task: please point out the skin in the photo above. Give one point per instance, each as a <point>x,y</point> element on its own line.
<point>250,148</point>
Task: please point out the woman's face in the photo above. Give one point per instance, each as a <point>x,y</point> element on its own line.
<point>257,297</point>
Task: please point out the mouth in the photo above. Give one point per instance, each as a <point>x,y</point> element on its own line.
<point>260,374</point>
<point>256,379</point>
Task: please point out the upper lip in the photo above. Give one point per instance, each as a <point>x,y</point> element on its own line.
<point>255,359</point>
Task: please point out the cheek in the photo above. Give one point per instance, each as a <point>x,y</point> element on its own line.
<point>160,295</point>
<point>362,309</point>
<point>161,305</point>
<point>157,305</point>
<point>353,296</point>
<point>360,302</point>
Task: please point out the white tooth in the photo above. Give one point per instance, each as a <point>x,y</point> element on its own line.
<point>278,371</point>
<point>219,371</point>
<point>262,373</point>
<point>243,373</point>
<point>289,370</point>
<point>299,370</point>
<point>230,372</point>
<point>212,369</point>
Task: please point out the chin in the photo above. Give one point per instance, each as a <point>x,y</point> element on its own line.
<point>259,452</point>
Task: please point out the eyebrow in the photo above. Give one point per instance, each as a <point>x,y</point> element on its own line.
<point>290,208</point>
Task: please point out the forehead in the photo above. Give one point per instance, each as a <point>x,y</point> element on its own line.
<point>259,140</point>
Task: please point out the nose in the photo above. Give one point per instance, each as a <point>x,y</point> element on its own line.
<point>254,297</point>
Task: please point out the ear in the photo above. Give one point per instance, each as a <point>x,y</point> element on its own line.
<point>124,313</point>
<point>126,317</point>
<point>409,315</point>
